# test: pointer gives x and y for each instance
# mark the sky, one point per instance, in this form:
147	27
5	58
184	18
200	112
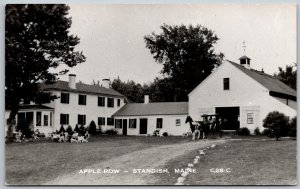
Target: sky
112	35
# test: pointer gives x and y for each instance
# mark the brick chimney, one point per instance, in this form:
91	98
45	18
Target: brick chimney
105	83
72	81
146	99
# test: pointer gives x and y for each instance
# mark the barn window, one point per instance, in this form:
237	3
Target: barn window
159	123
226	83
82	100
81	119
132	123
178	123
250	118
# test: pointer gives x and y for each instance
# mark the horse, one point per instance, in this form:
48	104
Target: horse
195	128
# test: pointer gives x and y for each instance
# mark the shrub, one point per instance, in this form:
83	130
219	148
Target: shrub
165	134
278	123
62	129
99	130
69	130
76	129
267	132
111	132
256	131
93	128
244	131
293	127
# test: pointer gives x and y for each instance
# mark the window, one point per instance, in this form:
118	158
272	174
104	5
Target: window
110	121
64	98
132	123
178	122
82	100
159	123
38	118
64	119
101	120
110	102
119	102
46	120
226	83
250	118
51	119
118	123
101	101
81	119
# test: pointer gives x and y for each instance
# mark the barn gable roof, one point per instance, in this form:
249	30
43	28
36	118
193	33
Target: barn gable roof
157	108
82	88
270	82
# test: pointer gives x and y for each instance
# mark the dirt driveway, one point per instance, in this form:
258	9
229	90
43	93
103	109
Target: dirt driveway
151	158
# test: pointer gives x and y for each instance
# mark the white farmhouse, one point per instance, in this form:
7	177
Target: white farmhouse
145	118
77	103
241	95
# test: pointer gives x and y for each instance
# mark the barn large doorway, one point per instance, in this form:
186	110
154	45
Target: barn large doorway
143	126
231	114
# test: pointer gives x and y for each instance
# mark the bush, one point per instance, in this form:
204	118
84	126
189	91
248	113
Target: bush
293	127
62	129
278	123
111	132
267	132
69	130
99	130
93	128
165	134
256	131
244	131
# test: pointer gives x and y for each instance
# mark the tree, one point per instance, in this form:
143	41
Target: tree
37	38
288	76
187	55
278	123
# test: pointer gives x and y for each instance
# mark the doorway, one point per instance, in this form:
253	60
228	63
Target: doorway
231	114
124	126
143	125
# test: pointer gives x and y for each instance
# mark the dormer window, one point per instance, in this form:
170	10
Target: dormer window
226	83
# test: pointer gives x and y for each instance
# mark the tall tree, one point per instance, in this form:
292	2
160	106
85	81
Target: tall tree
187	55
288	75
36	38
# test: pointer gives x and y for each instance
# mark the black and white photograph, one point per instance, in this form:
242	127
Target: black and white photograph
190	94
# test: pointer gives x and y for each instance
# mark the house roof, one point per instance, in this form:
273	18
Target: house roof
270	82
82	88
157	108
34	106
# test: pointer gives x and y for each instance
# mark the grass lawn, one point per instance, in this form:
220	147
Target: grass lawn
41	161
252	162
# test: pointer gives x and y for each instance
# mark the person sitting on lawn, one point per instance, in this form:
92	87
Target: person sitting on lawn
19	137
36	134
74	137
86	135
55	137
61	137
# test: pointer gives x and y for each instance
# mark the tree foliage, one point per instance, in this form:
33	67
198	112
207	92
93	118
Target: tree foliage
288	75
278	123
187	55
36	38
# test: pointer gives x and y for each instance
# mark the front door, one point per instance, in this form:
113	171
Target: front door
124	126
143	126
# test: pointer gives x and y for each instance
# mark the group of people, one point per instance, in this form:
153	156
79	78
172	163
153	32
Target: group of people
70	135
20	137
210	124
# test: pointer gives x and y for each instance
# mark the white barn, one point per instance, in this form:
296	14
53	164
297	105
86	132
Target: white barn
145	118
241	95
